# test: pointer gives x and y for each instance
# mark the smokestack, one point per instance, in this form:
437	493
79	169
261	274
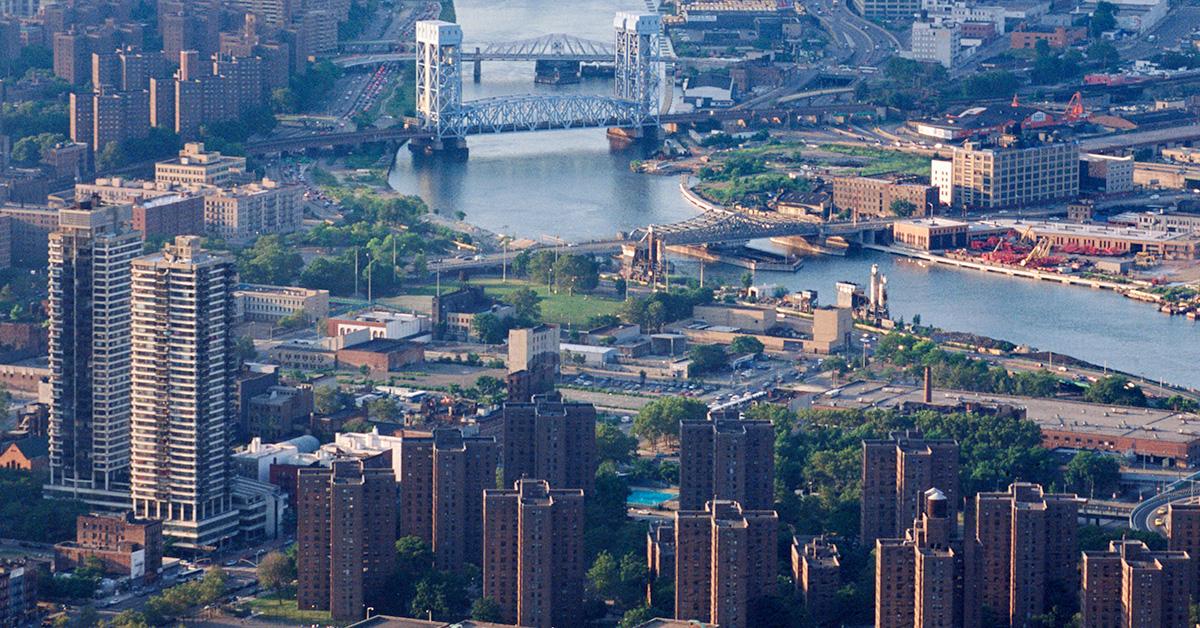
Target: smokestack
927	389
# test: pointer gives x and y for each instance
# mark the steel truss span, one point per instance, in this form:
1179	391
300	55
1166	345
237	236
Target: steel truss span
716	226
547	47
533	113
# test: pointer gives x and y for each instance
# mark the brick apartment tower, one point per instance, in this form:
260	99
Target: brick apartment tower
817	572
442	479
89	297
533	564
726	458
917	576
725	557
346	527
1130	586
1183	535
660	558
533	361
896	472
550	440
182	373
1019	549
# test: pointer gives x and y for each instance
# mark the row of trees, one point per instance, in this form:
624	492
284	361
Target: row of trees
574	273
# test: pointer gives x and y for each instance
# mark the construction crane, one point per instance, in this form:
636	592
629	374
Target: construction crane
1041	246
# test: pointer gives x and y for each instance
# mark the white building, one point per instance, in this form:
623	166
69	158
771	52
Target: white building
941	176
592	356
89	348
937	41
255	460
183	367
381	324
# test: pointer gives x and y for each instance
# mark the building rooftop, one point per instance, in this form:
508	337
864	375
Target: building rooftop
1091	230
382	345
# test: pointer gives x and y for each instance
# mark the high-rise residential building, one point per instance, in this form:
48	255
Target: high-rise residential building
1130	586
660	560
533	361
817	574
550	440
442	479
896	472
937	40
917	576
19	8
246	211
72	57
1183	535
886	8
196	166
1013	171
867	197
346	530
724	559
89	348
1019	547
183	371
533	564
728	458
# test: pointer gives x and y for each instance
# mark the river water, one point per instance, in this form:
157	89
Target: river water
576	185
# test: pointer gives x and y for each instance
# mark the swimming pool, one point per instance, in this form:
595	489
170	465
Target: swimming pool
649	498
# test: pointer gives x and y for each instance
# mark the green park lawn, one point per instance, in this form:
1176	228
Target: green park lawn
284	611
557	307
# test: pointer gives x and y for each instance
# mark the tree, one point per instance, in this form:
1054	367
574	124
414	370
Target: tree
276	571
742	345
269	261
28	151
490	328
747	279
383	409
1105	54
636	617
706	359
328	400
577	273
902	208
604	576
111	157
660	418
613	444
486	609
1115	390
527	305
1090	472
1104	19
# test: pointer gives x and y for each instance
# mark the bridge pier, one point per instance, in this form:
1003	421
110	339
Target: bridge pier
453	147
478	69
634	133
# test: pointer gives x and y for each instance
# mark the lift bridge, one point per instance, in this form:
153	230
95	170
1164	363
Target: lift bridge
443	114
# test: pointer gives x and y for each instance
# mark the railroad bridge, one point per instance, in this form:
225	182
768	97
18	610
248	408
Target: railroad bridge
635	102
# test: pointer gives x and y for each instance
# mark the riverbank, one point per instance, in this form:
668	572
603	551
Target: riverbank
1136	290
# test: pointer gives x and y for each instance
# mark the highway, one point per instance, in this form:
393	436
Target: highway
856	41
1143	515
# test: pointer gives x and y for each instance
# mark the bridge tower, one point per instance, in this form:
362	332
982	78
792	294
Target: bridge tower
439	79
636	75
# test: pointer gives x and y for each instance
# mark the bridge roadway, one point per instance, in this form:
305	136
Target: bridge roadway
400	134
552	47
714	227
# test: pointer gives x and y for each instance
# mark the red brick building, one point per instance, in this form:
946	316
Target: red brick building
381	355
1018	546
125	546
27	454
533	563
550	440
896	472
1129	585
1058	38
442	479
726	458
725	557
346	531
1183	535
170	215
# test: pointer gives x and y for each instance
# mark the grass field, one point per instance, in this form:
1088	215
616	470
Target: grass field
556	308
284	611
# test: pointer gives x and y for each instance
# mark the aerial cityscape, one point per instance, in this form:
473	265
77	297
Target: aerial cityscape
601	313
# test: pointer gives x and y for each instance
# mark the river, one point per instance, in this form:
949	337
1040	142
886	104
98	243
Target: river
576	185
